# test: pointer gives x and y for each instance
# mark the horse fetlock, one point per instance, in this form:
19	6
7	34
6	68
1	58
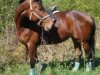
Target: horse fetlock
90	65
32	64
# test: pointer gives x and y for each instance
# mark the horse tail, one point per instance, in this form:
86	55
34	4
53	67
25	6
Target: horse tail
23	6
92	39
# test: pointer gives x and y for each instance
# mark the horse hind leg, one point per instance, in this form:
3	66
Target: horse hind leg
77	46
88	55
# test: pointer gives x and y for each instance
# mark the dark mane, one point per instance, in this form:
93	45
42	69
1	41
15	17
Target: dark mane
20	1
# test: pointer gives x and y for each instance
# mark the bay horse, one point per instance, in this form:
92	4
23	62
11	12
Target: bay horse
34	25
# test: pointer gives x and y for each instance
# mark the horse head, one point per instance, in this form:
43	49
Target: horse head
38	14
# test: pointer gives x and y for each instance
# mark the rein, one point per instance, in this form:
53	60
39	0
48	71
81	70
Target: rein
43	41
32	12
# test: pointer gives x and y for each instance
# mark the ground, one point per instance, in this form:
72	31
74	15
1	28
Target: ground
58	69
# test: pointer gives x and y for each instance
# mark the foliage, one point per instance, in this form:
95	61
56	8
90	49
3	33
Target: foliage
7	29
7	8
89	6
7	61
55	69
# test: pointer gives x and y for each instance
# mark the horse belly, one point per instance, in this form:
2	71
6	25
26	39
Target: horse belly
59	36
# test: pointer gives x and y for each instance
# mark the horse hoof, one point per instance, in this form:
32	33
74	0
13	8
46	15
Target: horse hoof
32	71
76	67
88	69
89	66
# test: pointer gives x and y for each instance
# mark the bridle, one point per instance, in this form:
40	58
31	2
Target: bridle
40	18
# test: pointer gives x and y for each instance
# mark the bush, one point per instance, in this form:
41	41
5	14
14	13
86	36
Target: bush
88	6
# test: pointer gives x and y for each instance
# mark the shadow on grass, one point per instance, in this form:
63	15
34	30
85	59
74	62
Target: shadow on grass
97	62
60	65
97	58
64	67
68	64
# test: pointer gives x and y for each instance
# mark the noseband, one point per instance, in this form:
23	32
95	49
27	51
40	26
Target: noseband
40	18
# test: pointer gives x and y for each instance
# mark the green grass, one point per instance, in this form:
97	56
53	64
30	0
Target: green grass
20	69
54	69
24	70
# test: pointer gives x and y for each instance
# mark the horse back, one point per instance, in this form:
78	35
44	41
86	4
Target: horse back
78	24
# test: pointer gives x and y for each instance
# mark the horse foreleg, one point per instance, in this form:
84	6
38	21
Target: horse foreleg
32	56
78	54
88	53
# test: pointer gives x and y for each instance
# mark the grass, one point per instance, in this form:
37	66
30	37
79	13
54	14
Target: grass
54	69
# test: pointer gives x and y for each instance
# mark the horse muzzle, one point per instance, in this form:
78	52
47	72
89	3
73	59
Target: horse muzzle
47	28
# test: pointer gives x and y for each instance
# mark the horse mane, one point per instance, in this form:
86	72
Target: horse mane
20	1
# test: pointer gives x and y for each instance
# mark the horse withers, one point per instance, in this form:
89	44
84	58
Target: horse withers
31	18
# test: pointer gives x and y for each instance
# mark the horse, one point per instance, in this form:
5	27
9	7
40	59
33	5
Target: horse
34	26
